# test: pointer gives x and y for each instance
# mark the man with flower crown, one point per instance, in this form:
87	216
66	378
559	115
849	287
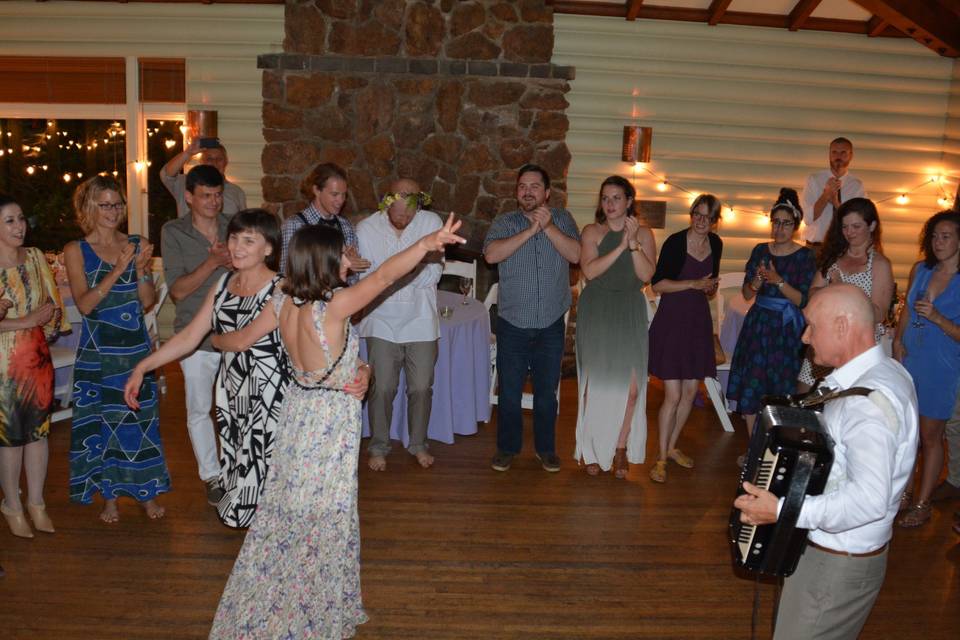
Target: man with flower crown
401	326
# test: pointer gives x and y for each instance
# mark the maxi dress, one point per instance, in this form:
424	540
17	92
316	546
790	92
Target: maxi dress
611	347
26	373
298	572
249	394
114	450
933	357
768	354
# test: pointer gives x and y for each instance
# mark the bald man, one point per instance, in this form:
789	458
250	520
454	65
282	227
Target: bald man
840	573
401	326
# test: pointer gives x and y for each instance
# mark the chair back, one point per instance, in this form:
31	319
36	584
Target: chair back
462	269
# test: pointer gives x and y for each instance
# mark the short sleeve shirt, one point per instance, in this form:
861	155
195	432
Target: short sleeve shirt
534	288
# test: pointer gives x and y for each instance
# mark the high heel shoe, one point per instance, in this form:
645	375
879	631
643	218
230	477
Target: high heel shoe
17	523
620	465
41	521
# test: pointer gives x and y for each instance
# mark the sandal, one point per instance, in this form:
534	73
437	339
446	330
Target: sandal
658	473
905	500
680	458
593	469
620	464
916	515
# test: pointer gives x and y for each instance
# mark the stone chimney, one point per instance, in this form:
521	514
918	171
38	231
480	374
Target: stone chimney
457	95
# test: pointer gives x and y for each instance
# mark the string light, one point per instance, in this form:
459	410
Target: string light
170	144
138	166
30	170
943	201
902	199
67	177
662	186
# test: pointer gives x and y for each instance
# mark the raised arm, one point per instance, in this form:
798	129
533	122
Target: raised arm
352	299
175	164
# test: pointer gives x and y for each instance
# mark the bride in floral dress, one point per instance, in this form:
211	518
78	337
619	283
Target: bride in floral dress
298	573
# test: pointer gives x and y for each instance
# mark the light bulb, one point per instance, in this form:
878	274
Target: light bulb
662	186
138	166
30	171
902	199
169	144
67	177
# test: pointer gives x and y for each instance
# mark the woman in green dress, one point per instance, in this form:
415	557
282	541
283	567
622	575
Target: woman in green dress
617	257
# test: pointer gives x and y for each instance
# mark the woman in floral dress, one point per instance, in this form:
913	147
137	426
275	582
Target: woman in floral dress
33	315
298	573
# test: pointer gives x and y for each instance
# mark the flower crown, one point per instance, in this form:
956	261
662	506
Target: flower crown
418	200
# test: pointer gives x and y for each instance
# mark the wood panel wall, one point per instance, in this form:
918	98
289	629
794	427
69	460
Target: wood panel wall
220	44
742	111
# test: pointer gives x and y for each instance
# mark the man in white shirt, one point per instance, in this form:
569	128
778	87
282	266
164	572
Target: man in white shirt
234	199
840	573
401	326
826	190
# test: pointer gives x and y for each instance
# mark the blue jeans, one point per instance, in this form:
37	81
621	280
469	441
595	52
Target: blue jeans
539	352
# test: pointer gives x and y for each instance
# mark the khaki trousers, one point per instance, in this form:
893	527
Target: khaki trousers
829	597
418	360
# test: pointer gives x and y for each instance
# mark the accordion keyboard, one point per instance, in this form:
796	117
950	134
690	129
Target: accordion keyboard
764	476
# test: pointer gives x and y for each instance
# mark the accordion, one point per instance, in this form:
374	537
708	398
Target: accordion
790	455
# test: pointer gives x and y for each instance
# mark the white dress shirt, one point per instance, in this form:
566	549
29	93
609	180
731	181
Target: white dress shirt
875	446
407	311
850	187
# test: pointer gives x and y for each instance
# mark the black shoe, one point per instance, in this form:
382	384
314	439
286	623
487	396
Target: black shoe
549	461
501	461
214	491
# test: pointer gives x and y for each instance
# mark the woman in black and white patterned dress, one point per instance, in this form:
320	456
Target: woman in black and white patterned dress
251	383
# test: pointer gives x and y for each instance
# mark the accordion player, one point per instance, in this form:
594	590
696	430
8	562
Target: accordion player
790	455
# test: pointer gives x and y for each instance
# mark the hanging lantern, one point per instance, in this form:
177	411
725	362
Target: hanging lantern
636	144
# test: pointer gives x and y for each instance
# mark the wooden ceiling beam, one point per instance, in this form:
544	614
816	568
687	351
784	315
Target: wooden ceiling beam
876	25
930	23
633	8
801	11
716	10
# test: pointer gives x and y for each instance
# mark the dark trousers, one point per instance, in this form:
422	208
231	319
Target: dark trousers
539	352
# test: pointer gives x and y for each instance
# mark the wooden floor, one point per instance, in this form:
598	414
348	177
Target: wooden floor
458	551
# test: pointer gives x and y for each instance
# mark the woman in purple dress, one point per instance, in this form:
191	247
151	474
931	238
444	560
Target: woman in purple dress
681	336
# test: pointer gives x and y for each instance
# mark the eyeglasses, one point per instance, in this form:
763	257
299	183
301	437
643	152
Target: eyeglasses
784	224
107	206
700	217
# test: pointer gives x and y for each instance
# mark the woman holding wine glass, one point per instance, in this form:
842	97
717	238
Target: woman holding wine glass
927	342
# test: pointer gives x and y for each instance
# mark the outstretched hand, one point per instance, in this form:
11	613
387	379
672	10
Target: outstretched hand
444	236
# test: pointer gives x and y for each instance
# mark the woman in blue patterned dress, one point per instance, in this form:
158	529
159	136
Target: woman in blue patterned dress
298	573
114	451
769	351
928	344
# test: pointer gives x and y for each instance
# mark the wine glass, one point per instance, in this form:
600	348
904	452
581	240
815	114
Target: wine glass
466	285
917	318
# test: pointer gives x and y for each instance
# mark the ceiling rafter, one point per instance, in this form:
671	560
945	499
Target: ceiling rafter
801	11
716	10
633	9
930	23
876	25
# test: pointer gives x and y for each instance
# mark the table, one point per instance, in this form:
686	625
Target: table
461	384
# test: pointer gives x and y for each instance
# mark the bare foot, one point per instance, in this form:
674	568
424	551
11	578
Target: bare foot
110	513
377	463
154	510
425	459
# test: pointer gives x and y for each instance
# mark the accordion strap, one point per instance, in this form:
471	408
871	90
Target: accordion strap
815	399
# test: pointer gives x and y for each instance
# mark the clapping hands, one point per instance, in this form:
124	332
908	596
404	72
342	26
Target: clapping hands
142	261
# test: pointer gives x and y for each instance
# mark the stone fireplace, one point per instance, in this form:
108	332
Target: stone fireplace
457	95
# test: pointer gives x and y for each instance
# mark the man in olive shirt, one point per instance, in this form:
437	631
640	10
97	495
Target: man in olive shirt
194	257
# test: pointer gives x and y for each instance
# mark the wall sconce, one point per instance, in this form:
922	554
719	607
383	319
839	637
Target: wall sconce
636	144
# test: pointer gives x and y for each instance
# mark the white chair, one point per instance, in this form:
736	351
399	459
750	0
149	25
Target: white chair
714	390
151	322
526	399
65	357
463	270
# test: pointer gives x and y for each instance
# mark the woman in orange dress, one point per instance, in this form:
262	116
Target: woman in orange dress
34	316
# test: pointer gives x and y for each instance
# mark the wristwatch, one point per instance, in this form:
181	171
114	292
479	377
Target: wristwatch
779	285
